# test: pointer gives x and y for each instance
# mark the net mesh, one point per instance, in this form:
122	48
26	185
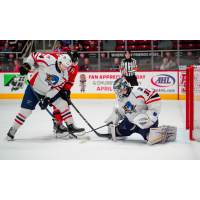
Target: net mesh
196	125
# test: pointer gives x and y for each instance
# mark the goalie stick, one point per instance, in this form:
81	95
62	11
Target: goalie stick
109	136
77	137
100	127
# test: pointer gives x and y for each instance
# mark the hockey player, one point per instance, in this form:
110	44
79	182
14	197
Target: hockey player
138	108
65	92
50	72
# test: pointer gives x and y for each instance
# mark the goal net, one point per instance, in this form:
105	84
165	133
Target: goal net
193	101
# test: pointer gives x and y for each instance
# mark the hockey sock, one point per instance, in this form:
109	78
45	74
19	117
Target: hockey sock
57	115
21	117
64	109
67	116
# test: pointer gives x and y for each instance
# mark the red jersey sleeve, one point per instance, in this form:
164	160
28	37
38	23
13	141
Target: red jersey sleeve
72	71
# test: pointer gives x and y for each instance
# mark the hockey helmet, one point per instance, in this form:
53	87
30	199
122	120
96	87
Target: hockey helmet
74	56
119	86
65	60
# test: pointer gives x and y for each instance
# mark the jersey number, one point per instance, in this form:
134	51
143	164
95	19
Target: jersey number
147	92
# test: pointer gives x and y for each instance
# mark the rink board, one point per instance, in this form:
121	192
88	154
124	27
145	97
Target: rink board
98	85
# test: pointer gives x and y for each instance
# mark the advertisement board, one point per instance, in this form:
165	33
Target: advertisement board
169	84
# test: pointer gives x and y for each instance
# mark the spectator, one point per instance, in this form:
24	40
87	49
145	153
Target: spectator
6	48
19	48
65	42
116	64
172	65
85	66
81	47
16	65
1	66
92	47
164	65
59	48
10	65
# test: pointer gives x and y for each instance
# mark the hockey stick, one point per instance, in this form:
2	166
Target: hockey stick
100	127
77	137
109	136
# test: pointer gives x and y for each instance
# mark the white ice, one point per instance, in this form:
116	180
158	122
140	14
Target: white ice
36	140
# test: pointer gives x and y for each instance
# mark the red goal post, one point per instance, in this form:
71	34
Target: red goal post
193	101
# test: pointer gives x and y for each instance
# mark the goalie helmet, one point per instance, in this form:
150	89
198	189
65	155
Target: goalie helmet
119	86
73	55
65	60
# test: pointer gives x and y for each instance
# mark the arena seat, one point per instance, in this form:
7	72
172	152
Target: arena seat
75	47
175	41
120	42
120	48
140	42
87	47
141	47
87	42
187	41
1	48
180	46
188	46
131	41
155	47
3	42
66	48
11	47
197	46
131	47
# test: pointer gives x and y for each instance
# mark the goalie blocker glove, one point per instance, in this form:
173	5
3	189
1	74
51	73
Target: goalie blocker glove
24	69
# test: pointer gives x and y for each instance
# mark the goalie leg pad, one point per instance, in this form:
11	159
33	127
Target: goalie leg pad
111	130
171	133
157	135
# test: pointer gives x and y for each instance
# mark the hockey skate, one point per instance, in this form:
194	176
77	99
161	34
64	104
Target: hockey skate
55	126
62	131
75	130
11	134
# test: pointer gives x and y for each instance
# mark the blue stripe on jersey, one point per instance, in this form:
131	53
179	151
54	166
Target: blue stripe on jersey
51	64
34	53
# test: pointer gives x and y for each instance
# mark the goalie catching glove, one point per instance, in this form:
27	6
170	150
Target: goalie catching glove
45	102
24	69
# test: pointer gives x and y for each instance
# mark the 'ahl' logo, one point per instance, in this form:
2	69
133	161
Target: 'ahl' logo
163	80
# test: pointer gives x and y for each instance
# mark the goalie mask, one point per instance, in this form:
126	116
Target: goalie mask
119	86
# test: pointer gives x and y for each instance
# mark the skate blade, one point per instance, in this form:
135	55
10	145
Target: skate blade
7	138
62	135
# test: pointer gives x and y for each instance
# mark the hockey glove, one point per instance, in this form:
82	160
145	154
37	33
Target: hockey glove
65	94
45	102
24	69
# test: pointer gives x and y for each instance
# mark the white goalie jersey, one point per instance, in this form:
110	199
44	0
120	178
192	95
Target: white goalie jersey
141	107
46	75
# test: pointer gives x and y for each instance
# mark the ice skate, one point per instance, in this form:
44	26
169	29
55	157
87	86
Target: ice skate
55	126
61	131
11	134
77	131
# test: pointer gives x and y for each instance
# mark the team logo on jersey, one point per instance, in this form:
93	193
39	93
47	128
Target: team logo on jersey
163	80
51	79
129	108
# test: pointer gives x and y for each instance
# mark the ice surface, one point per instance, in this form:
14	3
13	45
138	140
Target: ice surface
36	140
